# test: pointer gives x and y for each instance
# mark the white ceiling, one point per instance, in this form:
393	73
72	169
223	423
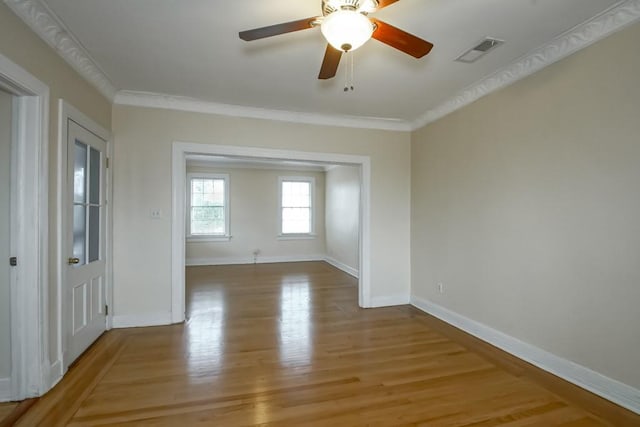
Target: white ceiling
191	48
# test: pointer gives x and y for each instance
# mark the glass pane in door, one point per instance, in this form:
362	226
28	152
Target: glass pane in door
80	173
94	233
80	233
94	176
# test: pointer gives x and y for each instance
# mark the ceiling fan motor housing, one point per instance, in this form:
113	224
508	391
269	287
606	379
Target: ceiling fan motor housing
330	6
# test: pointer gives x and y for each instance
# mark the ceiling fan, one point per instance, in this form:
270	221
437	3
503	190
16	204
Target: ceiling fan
346	25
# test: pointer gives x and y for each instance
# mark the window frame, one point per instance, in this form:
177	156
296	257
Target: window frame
312	196
208	237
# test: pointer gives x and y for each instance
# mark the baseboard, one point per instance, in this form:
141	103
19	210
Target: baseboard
193	262
388	301
342	266
608	388
141	320
55	374
5	390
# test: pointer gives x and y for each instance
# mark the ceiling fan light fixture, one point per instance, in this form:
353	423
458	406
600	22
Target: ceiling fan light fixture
346	30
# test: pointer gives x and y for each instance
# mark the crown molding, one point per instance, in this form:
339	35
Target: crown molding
170	102
610	21
51	29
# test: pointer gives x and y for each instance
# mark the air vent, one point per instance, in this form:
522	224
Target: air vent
479	50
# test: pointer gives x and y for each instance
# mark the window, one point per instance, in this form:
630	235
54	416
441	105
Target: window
208	200
296	205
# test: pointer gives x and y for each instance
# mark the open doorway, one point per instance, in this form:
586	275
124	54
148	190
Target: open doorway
182	151
24	332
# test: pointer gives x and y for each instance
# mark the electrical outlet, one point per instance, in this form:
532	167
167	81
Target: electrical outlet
441	287
156	214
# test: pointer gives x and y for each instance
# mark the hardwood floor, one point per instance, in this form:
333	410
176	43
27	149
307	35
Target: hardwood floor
6	409
287	345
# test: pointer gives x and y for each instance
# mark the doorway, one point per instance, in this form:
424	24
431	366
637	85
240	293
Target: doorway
6	225
24	228
179	175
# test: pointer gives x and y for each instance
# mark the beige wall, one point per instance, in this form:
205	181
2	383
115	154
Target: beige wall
25	48
253	219
5	211
343	215
142	165
526	205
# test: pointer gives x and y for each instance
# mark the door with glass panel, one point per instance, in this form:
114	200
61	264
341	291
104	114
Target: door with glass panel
85	241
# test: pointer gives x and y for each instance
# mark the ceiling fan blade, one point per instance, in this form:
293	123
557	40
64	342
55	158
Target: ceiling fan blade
385	3
274	30
401	40
330	63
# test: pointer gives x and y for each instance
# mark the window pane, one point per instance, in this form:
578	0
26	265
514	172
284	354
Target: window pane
296	220
197	199
79	232
207	220
94	176
197	186
80	172
296	194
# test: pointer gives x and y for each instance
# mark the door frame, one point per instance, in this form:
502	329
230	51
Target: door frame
178	208
30	367
66	112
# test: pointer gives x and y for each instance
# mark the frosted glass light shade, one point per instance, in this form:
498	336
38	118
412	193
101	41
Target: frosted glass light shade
346	30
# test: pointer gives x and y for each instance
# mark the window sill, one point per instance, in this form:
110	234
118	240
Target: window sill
296	237
205	239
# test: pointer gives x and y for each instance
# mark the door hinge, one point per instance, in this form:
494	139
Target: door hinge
13	261
106	310
106	161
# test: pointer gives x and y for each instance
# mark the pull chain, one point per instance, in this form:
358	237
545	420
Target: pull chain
348	72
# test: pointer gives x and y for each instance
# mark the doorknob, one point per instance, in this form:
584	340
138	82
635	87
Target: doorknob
74	261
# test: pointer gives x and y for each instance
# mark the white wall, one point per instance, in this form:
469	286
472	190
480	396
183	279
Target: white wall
142	181
526	205
5	210
253	220
343	215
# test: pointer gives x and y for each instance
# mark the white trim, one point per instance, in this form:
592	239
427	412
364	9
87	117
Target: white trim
195	262
208	237
5	390
55	373
341	266
141	320
52	30
302	236
389	301
597	28
608	388
67	112
178	174
181	103
30	236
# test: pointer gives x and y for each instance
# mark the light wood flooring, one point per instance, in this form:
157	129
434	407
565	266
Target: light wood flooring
287	345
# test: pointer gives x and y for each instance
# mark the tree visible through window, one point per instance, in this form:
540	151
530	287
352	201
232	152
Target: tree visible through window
208	206
296	206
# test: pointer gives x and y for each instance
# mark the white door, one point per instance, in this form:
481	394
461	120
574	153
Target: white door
84	291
